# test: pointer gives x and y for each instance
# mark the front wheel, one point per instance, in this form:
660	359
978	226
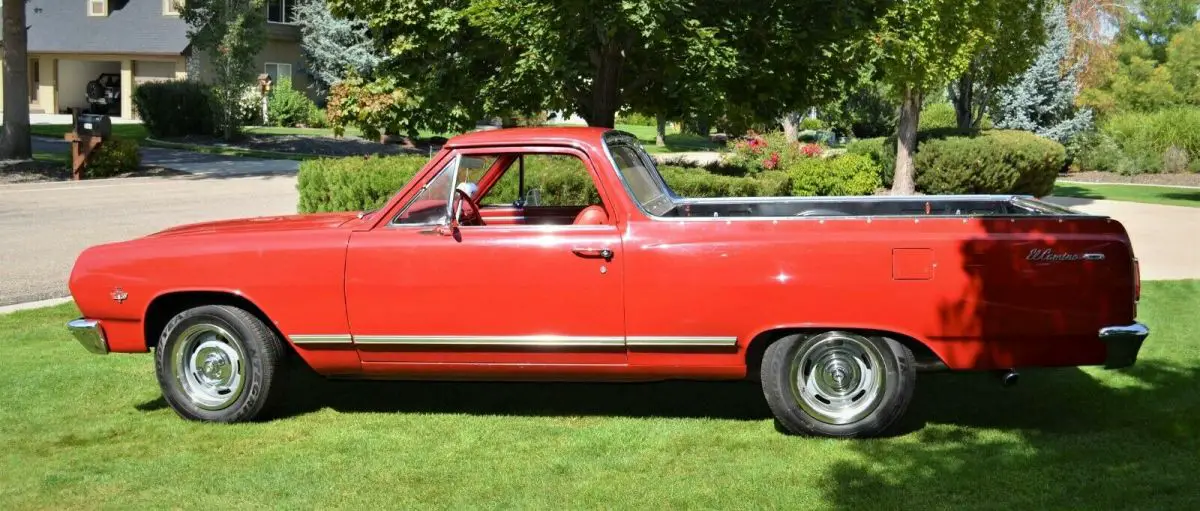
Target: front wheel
837	384
219	363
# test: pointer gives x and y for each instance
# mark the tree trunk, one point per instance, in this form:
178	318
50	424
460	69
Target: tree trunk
703	126
660	132
791	125
906	146
606	88
962	93
14	141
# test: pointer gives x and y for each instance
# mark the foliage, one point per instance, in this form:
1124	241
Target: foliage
1096	151
1041	99
635	118
692	182
287	106
882	151
848	174
998	161
812	123
375	107
1157	21
1183	63
771	151
175	108
1144	139
1017	33
115	156
866	111
231	33
481	58
333	47
937	115
353	184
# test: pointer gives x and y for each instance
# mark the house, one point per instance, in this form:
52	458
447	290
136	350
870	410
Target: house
72	42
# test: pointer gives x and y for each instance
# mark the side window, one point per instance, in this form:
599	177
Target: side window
550	180
432	204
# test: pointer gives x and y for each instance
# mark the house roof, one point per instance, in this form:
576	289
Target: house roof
132	26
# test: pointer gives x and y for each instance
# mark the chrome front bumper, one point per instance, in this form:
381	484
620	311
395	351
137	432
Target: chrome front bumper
90	334
1123	344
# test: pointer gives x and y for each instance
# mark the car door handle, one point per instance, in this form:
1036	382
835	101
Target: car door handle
603	253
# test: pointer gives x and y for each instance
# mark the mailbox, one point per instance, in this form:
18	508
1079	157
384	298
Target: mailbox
93	125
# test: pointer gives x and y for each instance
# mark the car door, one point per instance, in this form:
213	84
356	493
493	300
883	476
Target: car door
511	294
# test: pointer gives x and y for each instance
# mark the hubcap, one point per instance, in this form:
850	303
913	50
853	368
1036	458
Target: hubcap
838	377
208	363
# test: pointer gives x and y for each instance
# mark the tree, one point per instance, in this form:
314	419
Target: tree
1042	99
1157	21
333	46
1183	61
14	142
464	59
1018	34
920	46
231	33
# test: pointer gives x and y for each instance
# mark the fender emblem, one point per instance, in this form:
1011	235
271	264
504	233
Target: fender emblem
1046	255
119	295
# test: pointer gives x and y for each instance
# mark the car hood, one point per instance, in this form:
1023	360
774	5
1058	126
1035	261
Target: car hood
265	223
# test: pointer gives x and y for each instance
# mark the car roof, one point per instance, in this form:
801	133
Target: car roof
553	135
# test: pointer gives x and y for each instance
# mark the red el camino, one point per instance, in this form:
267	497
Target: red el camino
833	303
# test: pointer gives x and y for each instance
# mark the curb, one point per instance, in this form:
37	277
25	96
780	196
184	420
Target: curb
9	309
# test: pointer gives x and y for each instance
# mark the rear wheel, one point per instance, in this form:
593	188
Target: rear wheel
837	384
219	363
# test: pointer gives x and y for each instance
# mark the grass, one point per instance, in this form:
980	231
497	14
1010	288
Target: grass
130	131
82	431
1148	194
676	141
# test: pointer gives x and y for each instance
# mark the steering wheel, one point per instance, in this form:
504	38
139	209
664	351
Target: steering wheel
474	217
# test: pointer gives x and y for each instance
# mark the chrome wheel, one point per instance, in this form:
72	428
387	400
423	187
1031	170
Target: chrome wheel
209	363
838	377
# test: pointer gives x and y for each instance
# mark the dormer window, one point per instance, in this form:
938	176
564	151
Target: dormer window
171	7
97	7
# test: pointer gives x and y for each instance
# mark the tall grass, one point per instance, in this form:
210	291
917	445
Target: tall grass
1145	138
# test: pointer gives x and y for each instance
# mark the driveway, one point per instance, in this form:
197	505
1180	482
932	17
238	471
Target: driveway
1166	239
44	226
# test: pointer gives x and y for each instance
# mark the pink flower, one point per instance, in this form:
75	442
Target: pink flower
811	150
771	162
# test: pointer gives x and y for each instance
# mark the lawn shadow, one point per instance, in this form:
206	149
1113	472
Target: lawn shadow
1067	441
736	400
1190	196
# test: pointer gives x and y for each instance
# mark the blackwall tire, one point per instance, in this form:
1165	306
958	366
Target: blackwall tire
218	363
838	384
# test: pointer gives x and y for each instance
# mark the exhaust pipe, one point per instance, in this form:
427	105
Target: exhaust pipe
1009	378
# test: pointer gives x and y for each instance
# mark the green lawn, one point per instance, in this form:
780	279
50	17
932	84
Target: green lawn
85	431
1150	194
676	141
130	131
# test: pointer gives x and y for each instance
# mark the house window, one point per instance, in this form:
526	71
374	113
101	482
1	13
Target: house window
171	7
97	7
278	71
281	11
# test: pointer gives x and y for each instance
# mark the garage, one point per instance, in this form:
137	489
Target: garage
73	77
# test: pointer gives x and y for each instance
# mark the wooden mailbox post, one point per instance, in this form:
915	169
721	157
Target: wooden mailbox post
88	132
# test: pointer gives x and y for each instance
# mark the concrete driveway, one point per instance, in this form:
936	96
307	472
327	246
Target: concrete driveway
44	226
1166	239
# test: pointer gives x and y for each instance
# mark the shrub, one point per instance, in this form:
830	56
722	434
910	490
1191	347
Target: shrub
287	106
1145	138
352	184
115	156
772	151
849	174
938	116
881	151
998	161
694	182
175	108
812	123
317	119
637	119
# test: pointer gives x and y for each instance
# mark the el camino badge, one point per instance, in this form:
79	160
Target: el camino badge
1047	255
119	295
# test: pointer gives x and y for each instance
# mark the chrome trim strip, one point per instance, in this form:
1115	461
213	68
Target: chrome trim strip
641	341
491	340
322	339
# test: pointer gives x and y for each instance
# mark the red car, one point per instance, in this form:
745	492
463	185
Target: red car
473	271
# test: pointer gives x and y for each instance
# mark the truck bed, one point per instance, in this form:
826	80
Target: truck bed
943	205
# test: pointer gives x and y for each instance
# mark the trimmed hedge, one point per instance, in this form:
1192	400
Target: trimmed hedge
115	156
353	184
695	182
849	174
175	108
998	161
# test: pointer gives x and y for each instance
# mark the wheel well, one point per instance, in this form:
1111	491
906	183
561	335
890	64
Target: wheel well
165	307
758	345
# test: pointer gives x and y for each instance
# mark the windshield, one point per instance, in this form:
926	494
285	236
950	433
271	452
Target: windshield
639	175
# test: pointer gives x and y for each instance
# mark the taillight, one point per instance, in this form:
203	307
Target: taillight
1137	281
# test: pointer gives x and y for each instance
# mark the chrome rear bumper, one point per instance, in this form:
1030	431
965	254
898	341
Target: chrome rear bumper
1123	344
90	334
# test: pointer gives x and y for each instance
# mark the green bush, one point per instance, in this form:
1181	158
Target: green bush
289	107
849	174
938	116
699	183
757	153
559	180
1000	161
812	124
353	184
115	156
317	119
175	108
637	119
881	151
1096	151
1145	138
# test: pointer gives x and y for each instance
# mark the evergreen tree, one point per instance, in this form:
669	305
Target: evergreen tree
1042	98
333	46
